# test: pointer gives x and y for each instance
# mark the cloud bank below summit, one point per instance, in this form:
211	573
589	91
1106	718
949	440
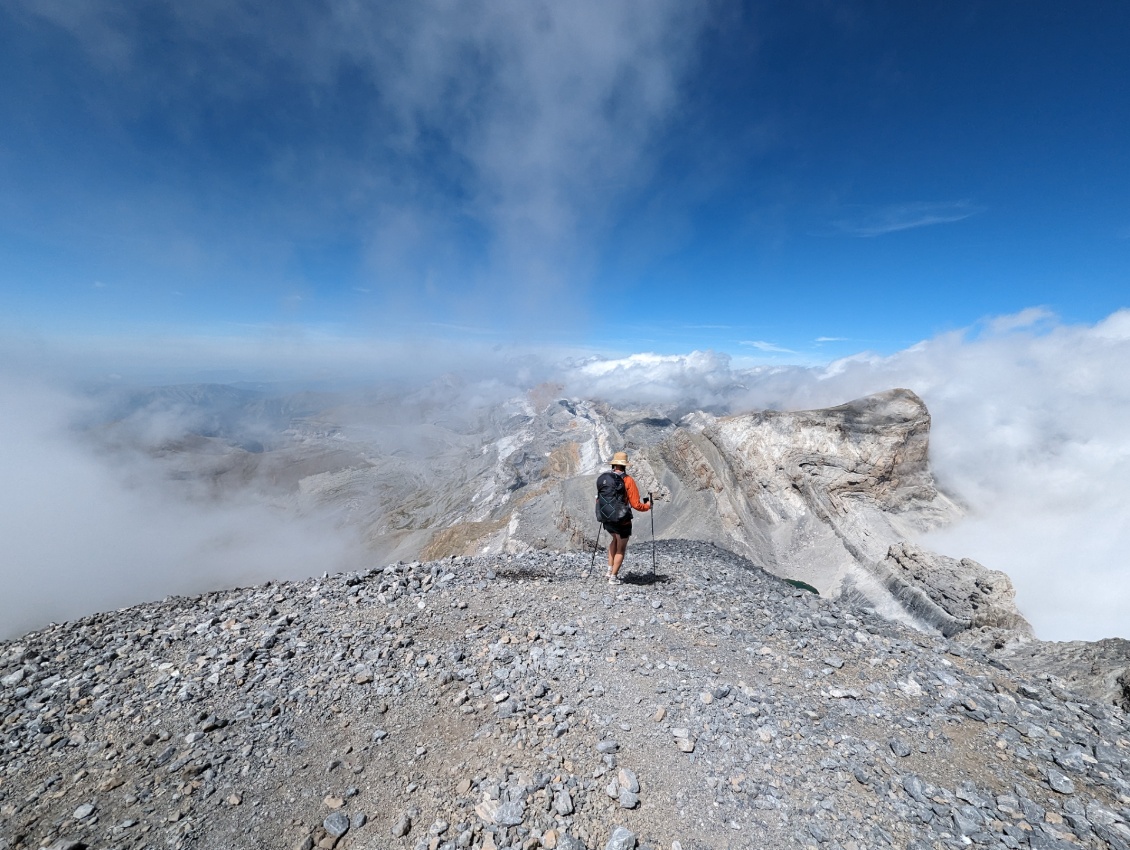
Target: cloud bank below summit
86	532
1029	433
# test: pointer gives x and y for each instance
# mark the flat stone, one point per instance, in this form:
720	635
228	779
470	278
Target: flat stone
337	824
1059	782
915	787
487	811
899	747
510	814
12	679
967	820
502	814
1072	760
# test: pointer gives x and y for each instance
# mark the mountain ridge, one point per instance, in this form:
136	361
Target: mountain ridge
837	498
518	700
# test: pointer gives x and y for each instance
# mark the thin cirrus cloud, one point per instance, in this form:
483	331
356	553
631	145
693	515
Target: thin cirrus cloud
877	221
767	347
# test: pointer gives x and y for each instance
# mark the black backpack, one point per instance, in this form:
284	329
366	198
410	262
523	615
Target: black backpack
611	498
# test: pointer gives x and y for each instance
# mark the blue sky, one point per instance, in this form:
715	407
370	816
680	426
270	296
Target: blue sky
791	181
636	200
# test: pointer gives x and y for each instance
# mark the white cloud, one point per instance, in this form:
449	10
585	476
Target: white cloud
701	378
1024	320
1029	430
82	533
521	123
877	221
761	345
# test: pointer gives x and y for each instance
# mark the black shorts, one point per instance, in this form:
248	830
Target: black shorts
624	528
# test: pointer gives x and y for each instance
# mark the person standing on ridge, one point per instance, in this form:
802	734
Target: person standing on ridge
616	496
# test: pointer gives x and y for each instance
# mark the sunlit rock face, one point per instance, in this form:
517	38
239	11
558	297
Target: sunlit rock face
834	498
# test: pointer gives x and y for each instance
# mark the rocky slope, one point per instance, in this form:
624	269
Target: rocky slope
513	700
835	498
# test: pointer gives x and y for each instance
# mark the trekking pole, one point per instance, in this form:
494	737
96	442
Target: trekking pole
592	566
651	499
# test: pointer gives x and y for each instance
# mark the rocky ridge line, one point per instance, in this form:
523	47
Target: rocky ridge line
513	701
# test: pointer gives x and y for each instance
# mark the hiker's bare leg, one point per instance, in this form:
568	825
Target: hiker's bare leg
616	550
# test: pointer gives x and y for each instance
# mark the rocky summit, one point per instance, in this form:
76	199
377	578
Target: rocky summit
521	701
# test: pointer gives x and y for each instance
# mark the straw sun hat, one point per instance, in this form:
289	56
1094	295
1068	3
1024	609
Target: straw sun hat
619	459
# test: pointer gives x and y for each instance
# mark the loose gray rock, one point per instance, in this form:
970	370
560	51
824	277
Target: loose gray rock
563	803
967	820
899	747
1059	782
780	756
402	826
628	779
915	787
622	839
337	824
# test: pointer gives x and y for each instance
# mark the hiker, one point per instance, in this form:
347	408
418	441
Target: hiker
616	496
